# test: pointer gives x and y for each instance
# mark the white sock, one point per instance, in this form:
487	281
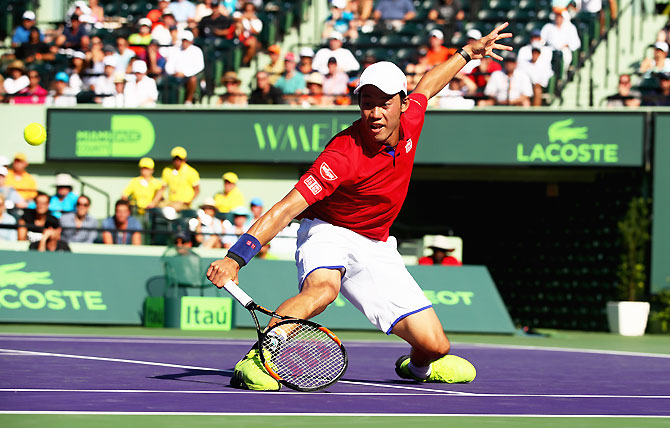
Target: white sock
419	371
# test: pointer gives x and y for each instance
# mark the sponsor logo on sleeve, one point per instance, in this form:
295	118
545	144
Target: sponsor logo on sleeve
408	146
327	173
313	185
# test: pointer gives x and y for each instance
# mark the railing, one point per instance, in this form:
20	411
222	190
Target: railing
85	184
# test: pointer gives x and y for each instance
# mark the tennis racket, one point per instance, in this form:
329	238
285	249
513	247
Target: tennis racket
300	354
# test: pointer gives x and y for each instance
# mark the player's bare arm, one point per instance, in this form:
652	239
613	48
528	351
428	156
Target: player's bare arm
438	77
266	228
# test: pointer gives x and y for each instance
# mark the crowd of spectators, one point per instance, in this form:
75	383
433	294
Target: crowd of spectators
50	221
156	58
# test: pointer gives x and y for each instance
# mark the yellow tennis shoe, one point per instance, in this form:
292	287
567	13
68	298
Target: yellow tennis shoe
250	374
448	369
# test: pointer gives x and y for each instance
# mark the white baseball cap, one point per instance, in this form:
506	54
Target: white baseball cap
307	52
384	75
145	21
336	35
437	33
4	160
3	170
109	61
340	4
139	66
474	34
186	35
29	15
662	46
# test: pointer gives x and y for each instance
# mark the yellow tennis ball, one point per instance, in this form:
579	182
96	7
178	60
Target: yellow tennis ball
35	134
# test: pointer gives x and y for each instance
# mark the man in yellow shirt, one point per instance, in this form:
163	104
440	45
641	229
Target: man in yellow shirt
231	197
142	190
183	182
18	178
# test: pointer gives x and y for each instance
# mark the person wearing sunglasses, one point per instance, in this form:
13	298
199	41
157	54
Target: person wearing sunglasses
76	224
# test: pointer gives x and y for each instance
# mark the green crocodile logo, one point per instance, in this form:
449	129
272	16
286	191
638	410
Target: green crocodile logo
561	131
12	274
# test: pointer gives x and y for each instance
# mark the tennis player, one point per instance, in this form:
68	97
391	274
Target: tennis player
347	201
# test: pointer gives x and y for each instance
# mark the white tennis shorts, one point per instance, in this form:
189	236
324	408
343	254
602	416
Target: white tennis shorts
375	279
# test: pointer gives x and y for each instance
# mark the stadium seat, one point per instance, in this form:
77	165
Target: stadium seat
183	269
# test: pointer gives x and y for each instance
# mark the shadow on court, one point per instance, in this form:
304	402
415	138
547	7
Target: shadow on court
189	374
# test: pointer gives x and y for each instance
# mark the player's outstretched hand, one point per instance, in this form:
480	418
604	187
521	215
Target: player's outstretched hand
487	44
222	271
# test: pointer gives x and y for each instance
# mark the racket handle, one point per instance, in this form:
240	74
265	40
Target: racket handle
239	294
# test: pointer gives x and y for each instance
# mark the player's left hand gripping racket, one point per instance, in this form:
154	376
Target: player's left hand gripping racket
300	354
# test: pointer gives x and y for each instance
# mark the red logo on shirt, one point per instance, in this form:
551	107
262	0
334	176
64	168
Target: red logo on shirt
408	146
313	185
327	173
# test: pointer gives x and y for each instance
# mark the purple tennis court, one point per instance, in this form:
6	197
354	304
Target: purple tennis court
116	374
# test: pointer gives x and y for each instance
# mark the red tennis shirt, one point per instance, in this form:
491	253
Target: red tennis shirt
360	184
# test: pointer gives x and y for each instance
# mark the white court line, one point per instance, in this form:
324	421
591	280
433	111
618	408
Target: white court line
430	415
430	393
349	343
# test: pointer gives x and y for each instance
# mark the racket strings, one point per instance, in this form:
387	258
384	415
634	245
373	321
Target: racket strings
304	355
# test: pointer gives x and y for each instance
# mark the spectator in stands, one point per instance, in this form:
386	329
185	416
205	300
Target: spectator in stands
437	52
526	52
61	95
6	219
246	28
539	72
34	220
123	55
142	92
367	61
121	228
472	36
231	197
16	79
237	228
345	59
292	81
155	15
140	40
208	8
34	49
482	73
76	35
395	12
22	32
73	223
142	190
234	94
511	86
441	248
162	29
276	66
65	200
265	93
660	97
50	241
104	85
182	181
118	97
183	241
336	81
183	64
154	59
97	12
625	96
450	14
561	35
76	71
12	197
453	95
314	96
660	63
183	11
216	23
415	71
209	231
20	179
84	12
340	20
33	93
256	207
306	57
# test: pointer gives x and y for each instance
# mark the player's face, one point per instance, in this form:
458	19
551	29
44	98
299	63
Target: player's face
380	114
